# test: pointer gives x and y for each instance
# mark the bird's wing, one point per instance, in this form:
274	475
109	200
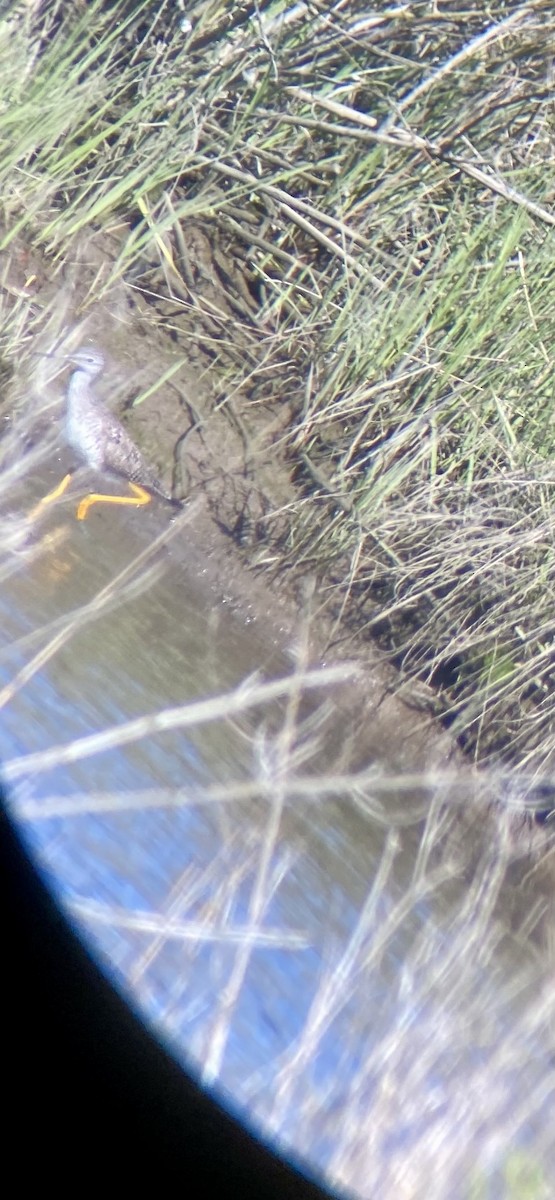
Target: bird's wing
123	457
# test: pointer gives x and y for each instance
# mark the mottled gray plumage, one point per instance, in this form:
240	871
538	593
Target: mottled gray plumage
95	433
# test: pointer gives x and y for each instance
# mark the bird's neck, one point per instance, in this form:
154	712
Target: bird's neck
78	387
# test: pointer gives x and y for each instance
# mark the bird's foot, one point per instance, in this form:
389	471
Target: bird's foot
53	495
140	498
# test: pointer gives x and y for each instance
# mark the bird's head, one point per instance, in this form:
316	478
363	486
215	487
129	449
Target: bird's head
88	359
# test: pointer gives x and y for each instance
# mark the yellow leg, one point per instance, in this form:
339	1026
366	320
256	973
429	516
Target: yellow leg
58	491
141	497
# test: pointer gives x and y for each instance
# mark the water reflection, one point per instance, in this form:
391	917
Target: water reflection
285	936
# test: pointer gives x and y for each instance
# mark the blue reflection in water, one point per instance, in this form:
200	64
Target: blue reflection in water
163	893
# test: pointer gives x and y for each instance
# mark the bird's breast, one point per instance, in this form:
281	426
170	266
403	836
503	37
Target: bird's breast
83	434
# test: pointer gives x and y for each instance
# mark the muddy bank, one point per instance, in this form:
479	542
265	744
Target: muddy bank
169	376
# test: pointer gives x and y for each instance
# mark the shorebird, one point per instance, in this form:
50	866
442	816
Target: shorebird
101	441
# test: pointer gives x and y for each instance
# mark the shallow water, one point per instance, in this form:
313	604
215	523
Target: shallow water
281	940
